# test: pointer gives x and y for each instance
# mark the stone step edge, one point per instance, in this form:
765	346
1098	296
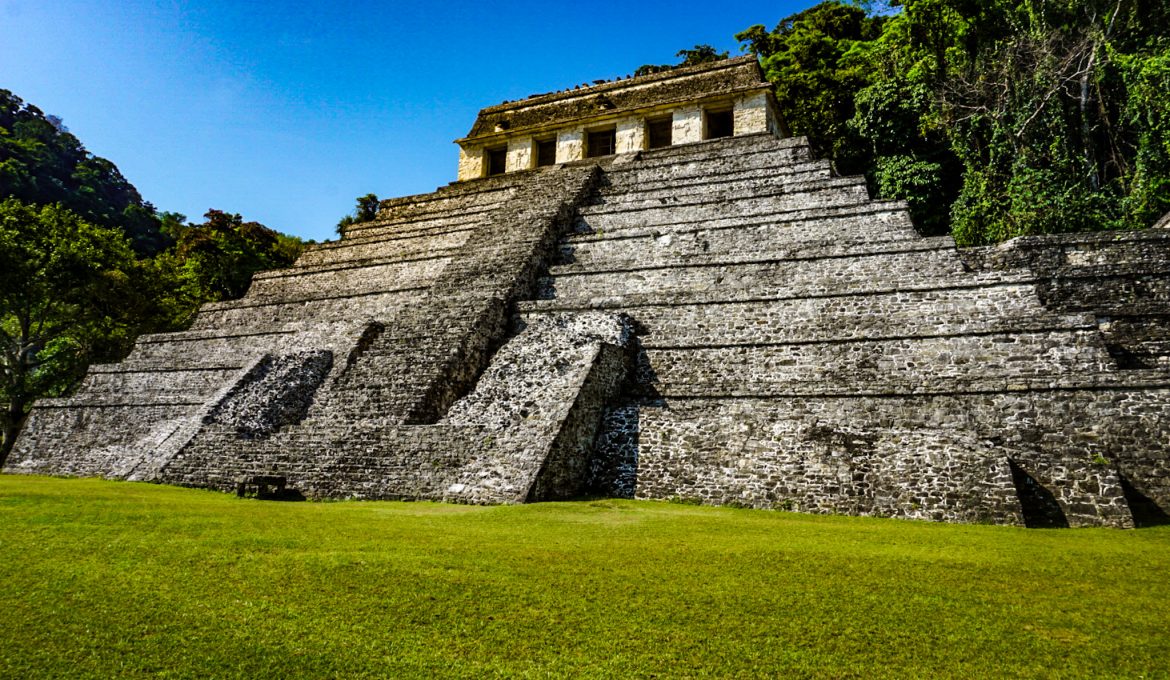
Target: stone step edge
350	265
129	367
82	402
936	244
621	185
875	206
1032	325
970	281
870	208
1133	380
686	185
1039	328
798	254
834	184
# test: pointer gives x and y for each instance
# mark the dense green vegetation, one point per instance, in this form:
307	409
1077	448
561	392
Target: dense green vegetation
86	265
1023	116
42	163
107	579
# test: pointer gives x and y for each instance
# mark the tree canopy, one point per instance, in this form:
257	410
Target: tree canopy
42	163
1022	116
66	292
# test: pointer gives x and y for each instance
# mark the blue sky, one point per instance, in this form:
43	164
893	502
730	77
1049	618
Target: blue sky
286	111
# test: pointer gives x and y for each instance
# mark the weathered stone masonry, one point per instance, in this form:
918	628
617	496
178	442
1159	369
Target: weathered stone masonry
718	319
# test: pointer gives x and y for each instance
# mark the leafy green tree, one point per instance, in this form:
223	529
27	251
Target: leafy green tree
366	211
806	57
64	291
1023	116
215	260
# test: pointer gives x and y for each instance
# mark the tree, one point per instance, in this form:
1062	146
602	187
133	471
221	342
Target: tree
64	291
806	58
366	211
215	260
1022	116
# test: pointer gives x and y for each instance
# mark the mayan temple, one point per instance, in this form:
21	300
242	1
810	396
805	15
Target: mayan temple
645	289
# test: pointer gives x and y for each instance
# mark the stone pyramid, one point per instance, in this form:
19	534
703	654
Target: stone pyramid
645	289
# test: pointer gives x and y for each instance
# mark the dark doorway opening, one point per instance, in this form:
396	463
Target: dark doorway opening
546	153
660	132
601	143
497	161
720	124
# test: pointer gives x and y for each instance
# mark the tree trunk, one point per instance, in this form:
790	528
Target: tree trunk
12	423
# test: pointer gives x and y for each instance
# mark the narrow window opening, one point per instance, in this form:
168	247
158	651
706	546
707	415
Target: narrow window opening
720	124
601	143
660	131
497	161
546	153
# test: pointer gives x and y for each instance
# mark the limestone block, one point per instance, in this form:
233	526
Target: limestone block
752	115
631	135
521	154
570	145
471	164
688	125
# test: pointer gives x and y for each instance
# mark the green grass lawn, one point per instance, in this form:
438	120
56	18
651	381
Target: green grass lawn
107	579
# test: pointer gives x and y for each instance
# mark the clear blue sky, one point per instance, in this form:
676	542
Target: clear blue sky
286	111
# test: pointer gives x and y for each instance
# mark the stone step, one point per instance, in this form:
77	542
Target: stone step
722	246
813	190
716	189
244	314
698	171
432	224
351	264
295	285
762	278
765	208
797	147
963	281
191	384
1110	382
455	199
385	247
1000	308
875	221
1030	355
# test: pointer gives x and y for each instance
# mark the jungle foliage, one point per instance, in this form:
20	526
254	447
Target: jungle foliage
1023	116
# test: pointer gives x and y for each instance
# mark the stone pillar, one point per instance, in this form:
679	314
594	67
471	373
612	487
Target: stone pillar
471	163
521	154
631	135
752	115
570	145
688	126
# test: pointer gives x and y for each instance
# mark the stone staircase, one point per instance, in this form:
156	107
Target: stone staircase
802	347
